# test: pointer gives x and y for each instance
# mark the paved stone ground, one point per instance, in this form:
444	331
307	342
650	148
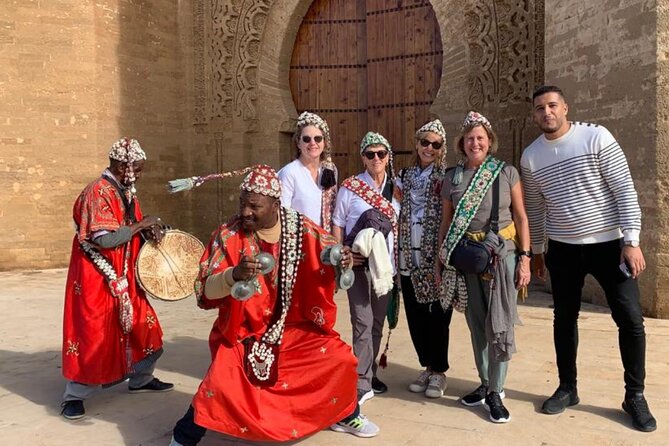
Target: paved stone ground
31	384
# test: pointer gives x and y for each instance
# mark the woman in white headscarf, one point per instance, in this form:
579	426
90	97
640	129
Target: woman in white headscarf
420	187
309	183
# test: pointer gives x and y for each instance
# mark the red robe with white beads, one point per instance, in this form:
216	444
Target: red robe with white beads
317	376
95	350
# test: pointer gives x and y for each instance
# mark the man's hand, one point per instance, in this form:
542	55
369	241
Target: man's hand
346	258
539	266
247	269
153	228
634	259
358	259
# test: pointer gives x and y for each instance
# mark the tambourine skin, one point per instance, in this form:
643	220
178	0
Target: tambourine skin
167	270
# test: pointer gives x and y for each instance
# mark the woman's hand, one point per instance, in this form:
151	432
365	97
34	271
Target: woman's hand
523	273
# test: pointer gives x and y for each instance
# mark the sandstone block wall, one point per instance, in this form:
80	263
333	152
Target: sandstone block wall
74	77
604	56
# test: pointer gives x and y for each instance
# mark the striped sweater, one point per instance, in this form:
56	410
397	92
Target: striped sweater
578	188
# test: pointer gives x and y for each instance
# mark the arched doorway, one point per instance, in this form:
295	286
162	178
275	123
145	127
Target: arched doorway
368	65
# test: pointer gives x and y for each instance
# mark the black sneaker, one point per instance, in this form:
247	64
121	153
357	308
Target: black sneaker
637	406
562	398
498	413
73	410
155	385
378	386
477	397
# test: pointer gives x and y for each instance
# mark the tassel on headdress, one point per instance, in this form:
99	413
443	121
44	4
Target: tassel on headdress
261	179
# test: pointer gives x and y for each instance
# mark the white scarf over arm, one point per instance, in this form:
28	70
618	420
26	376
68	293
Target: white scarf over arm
370	243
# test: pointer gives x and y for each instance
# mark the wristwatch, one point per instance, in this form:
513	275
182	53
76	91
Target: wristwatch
525	253
632	243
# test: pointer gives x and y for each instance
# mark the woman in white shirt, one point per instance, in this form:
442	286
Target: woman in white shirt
368	195
309	183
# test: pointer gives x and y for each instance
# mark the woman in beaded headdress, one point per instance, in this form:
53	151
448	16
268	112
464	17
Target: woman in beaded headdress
467	198
420	187
366	201
309	183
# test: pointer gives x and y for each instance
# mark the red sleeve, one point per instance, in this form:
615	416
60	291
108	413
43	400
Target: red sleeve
97	208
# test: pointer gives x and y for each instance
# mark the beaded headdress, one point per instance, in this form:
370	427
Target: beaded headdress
260	179
307	118
435	127
373	138
474	118
128	151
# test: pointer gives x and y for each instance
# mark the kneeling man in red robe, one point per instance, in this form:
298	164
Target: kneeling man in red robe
279	370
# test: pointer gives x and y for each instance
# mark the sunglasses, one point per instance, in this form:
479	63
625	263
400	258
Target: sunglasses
381	154
307	139
435	145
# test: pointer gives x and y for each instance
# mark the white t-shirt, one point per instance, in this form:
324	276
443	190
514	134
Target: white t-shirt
349	207
299	191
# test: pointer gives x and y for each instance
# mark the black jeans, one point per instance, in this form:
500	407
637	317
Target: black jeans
188	433
428	327
568	265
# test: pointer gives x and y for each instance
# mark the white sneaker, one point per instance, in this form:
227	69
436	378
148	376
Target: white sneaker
435	386
359	426
364	396
420	384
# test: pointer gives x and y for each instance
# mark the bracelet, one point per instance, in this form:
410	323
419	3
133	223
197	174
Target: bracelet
525	253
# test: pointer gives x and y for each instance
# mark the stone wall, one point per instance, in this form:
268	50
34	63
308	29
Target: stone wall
203	84
74	77
604	56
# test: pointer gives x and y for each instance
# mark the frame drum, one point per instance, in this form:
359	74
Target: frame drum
167	270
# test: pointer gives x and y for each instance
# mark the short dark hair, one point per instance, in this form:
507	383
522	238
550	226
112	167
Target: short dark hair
547	89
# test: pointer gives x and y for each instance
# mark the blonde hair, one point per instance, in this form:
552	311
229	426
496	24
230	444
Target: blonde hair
441	158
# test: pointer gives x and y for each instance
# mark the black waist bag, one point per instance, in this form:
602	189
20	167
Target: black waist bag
470	256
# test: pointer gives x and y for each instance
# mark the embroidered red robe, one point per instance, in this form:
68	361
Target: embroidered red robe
95	350
317	377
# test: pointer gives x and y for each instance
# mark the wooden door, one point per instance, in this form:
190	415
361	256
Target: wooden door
368	65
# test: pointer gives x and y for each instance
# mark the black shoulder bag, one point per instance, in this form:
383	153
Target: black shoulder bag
473	257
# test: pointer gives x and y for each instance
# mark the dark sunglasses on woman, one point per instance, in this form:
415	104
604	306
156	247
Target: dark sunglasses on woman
381	154
435	145
307	139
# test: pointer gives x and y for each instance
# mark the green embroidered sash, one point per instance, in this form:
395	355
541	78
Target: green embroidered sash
469	204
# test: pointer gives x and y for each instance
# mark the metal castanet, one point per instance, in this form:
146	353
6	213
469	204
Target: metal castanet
167	270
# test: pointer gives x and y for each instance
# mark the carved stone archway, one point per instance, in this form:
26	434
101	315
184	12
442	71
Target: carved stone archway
243	109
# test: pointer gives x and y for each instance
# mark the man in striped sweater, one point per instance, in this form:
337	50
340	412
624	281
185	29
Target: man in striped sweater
580	195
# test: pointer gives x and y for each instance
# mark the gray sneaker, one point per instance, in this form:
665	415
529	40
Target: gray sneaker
436	385
173	442
420	384
359	426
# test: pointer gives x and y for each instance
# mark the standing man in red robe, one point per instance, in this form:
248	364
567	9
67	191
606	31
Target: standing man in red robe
279	370
110	331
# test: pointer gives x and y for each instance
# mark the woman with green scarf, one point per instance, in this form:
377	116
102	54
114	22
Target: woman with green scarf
488	300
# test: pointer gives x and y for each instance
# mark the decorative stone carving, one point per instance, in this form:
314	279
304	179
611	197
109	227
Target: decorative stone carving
227	35
502	39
